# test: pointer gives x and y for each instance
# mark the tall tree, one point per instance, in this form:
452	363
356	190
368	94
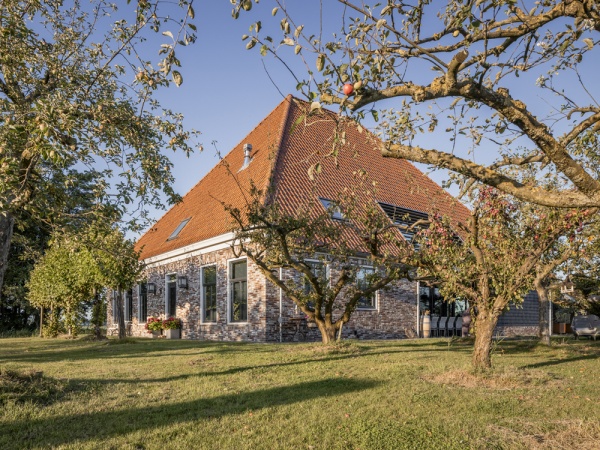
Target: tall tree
477	51
77	91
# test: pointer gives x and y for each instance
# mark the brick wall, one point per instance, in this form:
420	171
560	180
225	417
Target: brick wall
393	317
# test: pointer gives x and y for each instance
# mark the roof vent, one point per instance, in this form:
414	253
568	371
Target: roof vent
247	157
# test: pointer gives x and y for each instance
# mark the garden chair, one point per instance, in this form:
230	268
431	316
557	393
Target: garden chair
434	325
442	326
451	326
586	326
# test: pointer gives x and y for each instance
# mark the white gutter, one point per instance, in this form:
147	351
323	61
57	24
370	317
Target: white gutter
208	245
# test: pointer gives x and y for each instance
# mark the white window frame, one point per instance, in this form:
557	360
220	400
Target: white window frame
202	297
166	309
230	263
375	307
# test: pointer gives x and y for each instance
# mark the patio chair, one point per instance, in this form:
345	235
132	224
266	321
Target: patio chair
451	326
458	326
442	326
434	325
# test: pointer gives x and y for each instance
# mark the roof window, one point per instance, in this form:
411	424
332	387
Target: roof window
404	217
177	230
333	208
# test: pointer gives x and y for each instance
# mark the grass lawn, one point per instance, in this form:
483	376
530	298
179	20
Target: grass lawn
414	394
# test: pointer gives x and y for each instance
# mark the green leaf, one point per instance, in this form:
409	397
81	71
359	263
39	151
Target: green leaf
589	42
263	50
375	115
251	44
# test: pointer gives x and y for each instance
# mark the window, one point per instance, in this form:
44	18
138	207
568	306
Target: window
238	292
129	305
333	208
142	302
404	217
175	233
319	270
362	282
209	294
171	296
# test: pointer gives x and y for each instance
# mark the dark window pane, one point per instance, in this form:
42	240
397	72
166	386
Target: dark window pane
209	292
171	297
239	270
143	303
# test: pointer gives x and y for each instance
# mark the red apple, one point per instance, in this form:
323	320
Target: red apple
348	89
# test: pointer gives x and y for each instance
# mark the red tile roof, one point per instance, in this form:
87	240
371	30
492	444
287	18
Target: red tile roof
284	146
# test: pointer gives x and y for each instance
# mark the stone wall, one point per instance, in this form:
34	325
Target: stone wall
394	315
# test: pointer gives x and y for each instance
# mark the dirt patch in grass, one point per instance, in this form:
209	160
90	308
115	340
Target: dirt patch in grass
502	379
29	386
555	435
316	350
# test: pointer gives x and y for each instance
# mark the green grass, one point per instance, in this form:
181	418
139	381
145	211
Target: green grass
414	394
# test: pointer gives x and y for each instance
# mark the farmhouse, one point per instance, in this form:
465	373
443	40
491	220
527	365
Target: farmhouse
192	272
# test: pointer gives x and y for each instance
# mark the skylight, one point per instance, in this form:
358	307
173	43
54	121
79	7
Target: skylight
335	211
175	233
404	217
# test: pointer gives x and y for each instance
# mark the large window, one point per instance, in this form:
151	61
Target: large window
238	292
362	281
209	294
171	296
129	305
143	302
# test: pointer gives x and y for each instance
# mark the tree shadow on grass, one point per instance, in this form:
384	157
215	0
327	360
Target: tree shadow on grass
79	428
557	361
75	351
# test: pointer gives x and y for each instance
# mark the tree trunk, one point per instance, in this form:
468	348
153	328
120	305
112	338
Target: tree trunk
7	223
120	315
41	320
544	312
484	332
327	332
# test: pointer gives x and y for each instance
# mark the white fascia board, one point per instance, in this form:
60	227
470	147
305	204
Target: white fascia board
212	244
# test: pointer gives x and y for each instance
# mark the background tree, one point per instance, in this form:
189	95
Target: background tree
477	51
77	91
327	291
506	245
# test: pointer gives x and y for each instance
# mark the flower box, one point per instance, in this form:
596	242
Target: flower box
173	333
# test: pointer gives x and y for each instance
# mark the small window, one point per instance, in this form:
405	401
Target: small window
239	292
175	233
362	282
143	302
333	208
209	293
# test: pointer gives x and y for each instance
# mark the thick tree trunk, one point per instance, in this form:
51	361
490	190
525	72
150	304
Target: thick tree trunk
7	223
544	313
327	332
484	332
121	315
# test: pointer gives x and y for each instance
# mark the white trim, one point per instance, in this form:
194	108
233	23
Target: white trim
202	299
219	242
229	293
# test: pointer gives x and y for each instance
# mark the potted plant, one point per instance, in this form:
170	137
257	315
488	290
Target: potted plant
172	327
154	325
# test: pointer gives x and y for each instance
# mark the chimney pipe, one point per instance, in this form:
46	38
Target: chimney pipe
247	158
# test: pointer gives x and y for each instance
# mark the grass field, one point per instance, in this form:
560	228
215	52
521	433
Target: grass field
414	394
